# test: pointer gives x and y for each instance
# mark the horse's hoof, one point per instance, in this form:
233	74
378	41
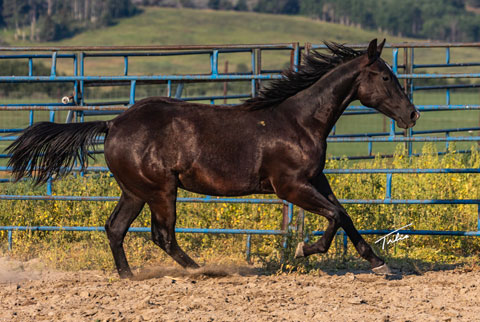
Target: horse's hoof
124	274
382	270
299	251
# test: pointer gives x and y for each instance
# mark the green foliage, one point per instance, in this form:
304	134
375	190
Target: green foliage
76	250
220	4
57	19
278	6
446	19
241	5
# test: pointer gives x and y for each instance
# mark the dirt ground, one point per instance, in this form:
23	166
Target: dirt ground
28	292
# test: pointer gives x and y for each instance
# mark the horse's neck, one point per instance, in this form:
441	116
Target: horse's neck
324	102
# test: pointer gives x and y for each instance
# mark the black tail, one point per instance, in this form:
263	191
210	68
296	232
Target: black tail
46	149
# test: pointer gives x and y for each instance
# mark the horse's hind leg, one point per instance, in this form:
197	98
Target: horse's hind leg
163	208
116	227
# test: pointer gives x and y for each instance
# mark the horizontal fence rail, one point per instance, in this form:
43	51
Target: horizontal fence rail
79	105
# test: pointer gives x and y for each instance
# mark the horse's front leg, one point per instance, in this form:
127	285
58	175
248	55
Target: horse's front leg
317	197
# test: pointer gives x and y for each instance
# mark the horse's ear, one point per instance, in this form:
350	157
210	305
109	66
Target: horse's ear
372	51
380	47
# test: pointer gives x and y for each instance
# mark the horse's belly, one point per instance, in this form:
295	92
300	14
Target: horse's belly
217	183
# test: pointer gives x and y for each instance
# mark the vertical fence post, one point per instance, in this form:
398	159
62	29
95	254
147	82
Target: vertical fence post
388	188
345	242
284	226
81	114
287	211
257	70
409	69
214	62
395	71
225	84
53	73
10	240
169	88
49	181
447	61
478	219
53	70
125	65
30	73
71	114
248	247
295	57
82	86
300	223
75	73
30	66
49	187
253	90
179	90
133	86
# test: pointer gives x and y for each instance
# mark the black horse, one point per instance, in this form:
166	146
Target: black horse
273	143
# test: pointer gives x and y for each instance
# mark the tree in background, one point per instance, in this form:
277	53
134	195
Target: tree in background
241	5
47	20
290	7
441	19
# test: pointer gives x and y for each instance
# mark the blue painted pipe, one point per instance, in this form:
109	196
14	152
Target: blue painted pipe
106	198
409	232
247	232
147	230
220	77
36	56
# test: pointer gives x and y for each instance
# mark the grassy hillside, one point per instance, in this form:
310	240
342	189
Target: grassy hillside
166	26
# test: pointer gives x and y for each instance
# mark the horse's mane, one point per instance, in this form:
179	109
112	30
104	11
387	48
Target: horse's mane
315	65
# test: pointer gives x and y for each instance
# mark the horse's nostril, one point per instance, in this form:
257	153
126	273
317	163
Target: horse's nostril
414	116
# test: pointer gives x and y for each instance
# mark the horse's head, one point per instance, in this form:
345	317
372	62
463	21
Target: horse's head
379	88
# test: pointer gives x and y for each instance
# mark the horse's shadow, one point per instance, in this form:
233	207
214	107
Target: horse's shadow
204	272
400	268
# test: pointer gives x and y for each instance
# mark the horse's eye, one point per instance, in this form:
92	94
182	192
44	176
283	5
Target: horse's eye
385	78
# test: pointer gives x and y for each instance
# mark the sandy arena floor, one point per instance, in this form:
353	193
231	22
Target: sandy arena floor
28	293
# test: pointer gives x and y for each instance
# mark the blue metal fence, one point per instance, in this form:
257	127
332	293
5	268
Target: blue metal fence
79	106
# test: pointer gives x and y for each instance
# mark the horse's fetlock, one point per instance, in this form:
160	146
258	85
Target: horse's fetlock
168	247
